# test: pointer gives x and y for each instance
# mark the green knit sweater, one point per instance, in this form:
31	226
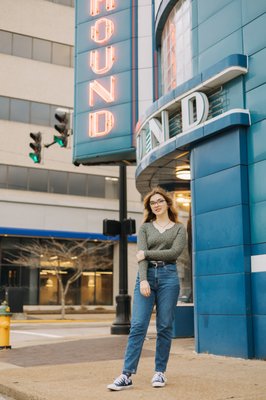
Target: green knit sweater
157	246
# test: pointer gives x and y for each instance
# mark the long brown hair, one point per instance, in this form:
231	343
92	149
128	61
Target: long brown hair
148	214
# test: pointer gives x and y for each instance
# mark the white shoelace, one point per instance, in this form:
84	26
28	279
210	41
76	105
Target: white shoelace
121	379
159	377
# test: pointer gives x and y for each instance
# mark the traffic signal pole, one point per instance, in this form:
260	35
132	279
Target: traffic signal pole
121	325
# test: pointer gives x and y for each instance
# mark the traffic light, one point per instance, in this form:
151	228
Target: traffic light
36	146
62	115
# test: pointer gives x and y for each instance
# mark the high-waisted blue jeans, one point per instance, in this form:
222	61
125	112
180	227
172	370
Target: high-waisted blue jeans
164	285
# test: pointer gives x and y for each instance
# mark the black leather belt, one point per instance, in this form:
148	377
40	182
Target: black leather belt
157	264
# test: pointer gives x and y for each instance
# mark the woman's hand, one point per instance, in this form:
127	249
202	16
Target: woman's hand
140	255
145	289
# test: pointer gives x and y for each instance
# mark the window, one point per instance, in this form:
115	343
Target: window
65	2
111	187
17	178
22	46
47	181
40	114
72	57
3	176
61	54
4	107
184	263
38	180
52	117
96	186
36	49
176	47
5	42
29	112
58	182
97	288
77	184
20	110
70	3
42	50
40	285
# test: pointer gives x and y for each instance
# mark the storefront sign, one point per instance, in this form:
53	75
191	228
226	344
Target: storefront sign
194	111
105	81
195	108
191	109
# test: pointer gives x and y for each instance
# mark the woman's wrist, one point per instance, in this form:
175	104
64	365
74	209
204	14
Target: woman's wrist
143	282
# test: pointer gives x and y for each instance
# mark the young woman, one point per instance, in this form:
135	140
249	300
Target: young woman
161	240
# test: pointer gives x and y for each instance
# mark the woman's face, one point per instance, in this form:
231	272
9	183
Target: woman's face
158	204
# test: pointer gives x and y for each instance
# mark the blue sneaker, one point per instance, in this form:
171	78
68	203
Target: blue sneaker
121	383
159	380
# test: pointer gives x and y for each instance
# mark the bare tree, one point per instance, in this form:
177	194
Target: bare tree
79	256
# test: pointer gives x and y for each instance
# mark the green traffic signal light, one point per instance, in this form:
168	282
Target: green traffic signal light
35	157
36	147
61	140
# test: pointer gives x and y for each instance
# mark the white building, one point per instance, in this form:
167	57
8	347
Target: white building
54	198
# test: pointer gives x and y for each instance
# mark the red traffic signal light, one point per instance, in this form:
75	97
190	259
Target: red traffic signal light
36	147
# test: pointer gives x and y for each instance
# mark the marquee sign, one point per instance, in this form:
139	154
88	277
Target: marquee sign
189	106
105	111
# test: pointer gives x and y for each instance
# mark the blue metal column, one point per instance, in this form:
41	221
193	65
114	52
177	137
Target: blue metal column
221	245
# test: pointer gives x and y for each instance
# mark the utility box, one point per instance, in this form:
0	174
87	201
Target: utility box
2	294
15	299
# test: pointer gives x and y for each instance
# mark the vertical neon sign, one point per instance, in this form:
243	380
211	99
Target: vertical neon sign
107	26
105	81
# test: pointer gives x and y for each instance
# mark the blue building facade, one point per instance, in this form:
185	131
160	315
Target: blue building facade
208	119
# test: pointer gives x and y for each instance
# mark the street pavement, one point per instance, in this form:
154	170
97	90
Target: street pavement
77	358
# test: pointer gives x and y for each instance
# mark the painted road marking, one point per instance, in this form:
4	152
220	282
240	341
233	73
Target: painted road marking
37	334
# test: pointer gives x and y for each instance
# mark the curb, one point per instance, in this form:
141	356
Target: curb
15	394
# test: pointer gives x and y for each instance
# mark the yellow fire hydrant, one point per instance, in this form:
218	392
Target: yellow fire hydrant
5	316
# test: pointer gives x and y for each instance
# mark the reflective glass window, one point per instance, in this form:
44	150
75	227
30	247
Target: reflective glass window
3	176
111	187
19	110
40	114
64	2
17	178
70	3
5	42
4	107
48	288
72	56
176	47
77	184
52	113
22	46
38	180
96	186
61	54
184	262
42	50
57	182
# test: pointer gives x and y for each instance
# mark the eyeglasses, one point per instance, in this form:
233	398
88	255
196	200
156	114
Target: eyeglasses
158	202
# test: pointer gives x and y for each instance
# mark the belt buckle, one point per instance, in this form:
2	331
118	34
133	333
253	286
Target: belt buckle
157	264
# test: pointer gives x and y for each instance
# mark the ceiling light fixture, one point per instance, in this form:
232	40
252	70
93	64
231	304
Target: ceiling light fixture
183	173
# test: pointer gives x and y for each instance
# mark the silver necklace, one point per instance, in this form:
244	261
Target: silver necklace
162	226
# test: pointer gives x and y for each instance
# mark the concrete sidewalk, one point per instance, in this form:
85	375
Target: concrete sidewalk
81	369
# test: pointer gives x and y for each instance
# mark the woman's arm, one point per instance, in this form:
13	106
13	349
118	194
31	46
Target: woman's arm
170	254
142	245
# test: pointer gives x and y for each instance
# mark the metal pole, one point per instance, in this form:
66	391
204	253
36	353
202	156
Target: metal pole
121	325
